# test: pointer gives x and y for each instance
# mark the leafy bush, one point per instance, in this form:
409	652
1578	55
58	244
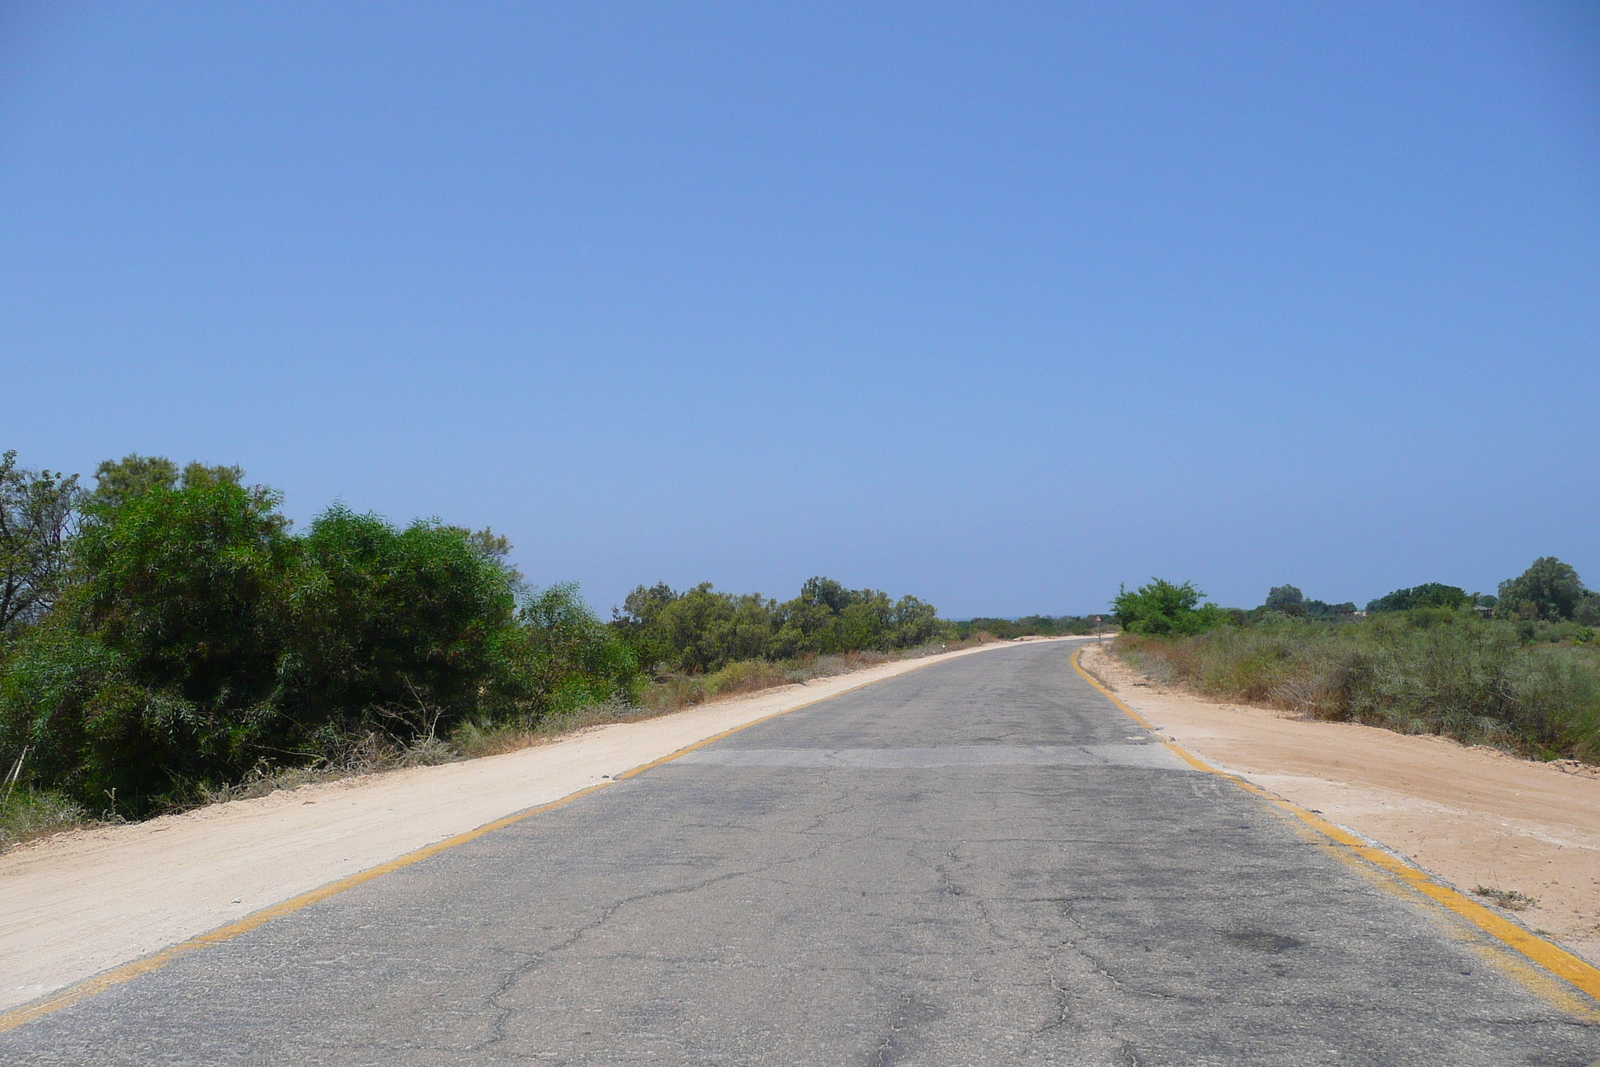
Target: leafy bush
64	702
559	658
1164	608
381	617
185	583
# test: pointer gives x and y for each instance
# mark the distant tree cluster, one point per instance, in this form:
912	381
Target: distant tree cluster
1549	591
1288	600
1427	595
700	630
1030	626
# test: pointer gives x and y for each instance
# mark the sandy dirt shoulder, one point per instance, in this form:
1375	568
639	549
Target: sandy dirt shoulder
79	903
1471	816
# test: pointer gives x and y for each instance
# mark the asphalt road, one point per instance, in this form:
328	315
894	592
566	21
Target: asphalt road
982	862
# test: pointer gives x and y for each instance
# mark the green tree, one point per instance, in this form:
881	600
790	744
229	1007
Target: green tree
1286	599
827	593
1164	608
174	608
1426	595
1549	589
914	622
1320	609
708	629
827	617
37	512
185	583
635	622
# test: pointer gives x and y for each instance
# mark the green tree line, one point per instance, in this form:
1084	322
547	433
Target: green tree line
167	629
1549	591
700	630
167	632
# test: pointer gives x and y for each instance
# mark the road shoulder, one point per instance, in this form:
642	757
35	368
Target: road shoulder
1471	816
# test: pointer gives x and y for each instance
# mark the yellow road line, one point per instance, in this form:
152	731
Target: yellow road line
1552	958
128	971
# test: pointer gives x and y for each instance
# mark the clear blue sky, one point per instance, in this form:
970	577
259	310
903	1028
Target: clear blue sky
997	304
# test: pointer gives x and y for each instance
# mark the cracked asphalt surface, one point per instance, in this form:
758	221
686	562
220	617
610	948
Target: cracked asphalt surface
981	862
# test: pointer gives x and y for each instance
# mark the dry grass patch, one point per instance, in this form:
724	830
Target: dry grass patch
26	814
1509	899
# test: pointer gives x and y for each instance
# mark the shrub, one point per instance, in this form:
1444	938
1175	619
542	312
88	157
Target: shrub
1164	608
185	584
559	658
1427	670
382	616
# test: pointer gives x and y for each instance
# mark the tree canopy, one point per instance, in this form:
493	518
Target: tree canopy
37	510
1549	589
1426	595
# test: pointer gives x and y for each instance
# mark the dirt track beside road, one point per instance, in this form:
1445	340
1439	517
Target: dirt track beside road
1472	816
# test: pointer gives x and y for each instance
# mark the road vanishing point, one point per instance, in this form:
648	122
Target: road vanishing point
980	862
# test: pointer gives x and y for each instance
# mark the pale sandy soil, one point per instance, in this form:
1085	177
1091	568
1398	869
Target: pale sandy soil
79	903
1471	816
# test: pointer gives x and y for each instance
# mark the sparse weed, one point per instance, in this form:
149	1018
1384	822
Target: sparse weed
1509	899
